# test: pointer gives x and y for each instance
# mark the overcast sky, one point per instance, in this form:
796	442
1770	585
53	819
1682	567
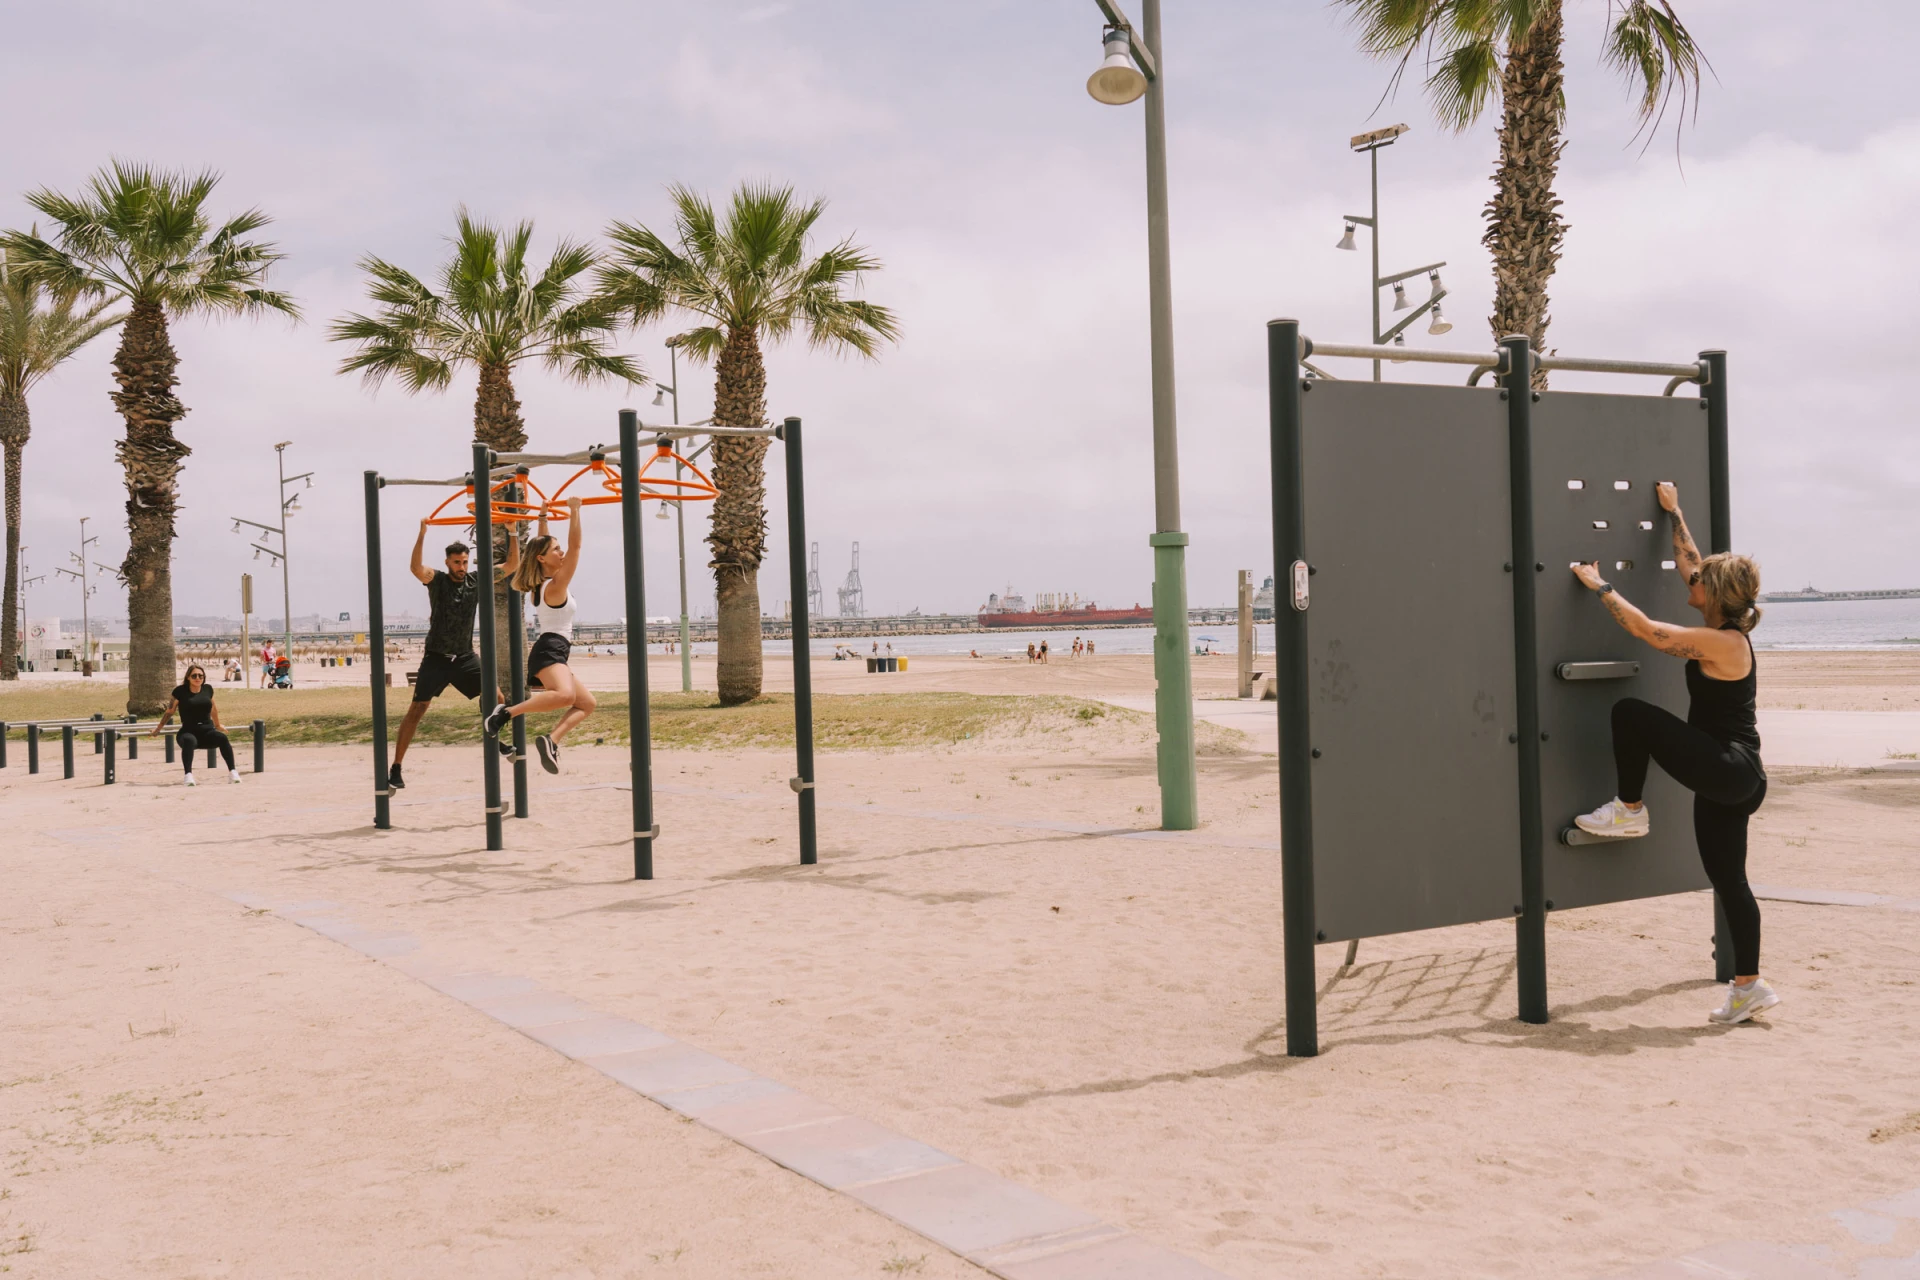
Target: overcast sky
1006	439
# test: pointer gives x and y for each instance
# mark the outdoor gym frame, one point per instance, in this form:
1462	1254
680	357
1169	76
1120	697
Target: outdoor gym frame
1410	648
512	469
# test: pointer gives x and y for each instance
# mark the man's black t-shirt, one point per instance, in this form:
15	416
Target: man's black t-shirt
455	605
196	709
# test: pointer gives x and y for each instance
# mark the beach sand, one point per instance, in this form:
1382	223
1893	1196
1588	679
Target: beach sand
193	1088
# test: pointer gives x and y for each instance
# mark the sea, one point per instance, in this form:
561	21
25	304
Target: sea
1816	624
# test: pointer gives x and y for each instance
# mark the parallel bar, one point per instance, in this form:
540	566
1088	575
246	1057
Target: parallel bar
1578	364
639	712
1713	395
377	654
489	675
1571	364
1413	355
1287	433
802	648
1530	924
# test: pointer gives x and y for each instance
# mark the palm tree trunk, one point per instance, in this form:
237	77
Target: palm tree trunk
498	425
14	429
1524	227
151	457
738	535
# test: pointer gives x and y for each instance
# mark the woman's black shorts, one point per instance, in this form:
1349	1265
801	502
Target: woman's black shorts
437	671
549	650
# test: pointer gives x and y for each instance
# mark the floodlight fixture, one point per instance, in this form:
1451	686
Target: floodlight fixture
1117	81
1400	302
659	397
1440	323
662	513
1433	279
1346	241
1400	340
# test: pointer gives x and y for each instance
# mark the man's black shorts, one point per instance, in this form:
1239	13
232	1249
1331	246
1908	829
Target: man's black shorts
437	671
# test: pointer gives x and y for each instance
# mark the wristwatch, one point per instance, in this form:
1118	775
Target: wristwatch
1603	588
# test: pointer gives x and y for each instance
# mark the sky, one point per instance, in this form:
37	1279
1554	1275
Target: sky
1005	441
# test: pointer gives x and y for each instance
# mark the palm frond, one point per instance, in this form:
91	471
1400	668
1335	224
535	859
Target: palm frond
1653	50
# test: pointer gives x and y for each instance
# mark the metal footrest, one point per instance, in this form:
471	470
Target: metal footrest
1575	836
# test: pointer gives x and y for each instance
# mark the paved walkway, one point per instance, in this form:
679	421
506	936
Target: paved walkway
1849	739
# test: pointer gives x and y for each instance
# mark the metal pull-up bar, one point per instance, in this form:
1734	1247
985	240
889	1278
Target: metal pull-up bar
1485	362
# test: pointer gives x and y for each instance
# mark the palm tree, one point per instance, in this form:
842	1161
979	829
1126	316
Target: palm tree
747	278
489	315
143	236
37	334
1477	48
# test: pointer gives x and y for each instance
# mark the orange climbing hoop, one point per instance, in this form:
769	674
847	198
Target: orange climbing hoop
505	510
659	487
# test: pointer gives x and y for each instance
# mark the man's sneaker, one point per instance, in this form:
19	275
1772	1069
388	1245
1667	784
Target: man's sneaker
496	721
191	782
1614	820
549	753
1743	1002
394	781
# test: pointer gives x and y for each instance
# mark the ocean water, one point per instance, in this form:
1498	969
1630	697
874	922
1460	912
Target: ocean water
1825	624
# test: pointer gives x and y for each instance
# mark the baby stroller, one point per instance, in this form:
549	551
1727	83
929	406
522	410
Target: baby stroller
283	674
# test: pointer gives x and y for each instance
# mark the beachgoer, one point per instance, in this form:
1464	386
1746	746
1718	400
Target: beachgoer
1714	752
1089	646
1033	654
1043	651
974	652
199	723
267	659
546	573
453	597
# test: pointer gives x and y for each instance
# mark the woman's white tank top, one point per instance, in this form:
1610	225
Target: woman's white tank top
555	619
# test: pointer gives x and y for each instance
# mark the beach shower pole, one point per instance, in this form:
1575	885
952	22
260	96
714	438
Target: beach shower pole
802	782
377	658
489	677
639	720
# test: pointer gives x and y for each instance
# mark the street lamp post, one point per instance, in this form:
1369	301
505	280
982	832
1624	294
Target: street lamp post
1371	144
1131	68
86	593
279	555
672	388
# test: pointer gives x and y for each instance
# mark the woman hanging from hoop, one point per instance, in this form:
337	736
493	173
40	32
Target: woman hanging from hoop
546	573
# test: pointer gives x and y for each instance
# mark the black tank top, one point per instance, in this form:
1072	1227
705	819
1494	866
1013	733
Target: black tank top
1724	709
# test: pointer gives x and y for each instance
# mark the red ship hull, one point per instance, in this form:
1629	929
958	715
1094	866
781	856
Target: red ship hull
1068	619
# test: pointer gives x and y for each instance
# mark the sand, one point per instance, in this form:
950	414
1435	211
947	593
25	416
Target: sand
189	1089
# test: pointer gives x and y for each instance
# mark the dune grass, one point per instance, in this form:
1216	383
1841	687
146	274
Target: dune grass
842	722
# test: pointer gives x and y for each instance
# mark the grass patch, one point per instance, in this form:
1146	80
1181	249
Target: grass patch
841	722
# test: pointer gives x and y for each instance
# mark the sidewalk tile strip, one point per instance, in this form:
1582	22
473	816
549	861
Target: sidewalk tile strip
1011	1231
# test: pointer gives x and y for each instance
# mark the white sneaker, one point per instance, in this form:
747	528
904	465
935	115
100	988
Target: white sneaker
1743	1002
235	774
1614	820
191	782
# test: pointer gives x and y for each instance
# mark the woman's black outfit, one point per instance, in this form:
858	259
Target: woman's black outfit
1714	753
196	727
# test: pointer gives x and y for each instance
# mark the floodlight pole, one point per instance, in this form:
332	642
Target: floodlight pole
680	520
1371	144
1172	661
286	568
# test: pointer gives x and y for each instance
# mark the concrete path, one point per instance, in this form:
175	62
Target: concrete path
1846	739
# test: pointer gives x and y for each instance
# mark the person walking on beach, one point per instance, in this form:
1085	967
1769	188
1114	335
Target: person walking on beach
1033	655
199	723
453	601
1714	752
1089	646
1043	651
267	657
546	573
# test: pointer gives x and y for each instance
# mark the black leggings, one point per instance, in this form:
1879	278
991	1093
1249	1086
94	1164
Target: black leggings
204	736
1726	788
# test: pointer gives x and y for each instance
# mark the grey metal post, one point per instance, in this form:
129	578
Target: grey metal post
639	713
133	744
1173	661
113	739
66	750
1373	238
3	744
259	746
1719	539
802	644
377	655
517	672
168	739
1530	921
489	675
33	748
1287	434
99	742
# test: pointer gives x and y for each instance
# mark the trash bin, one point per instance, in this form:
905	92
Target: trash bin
873	664
893	664
903	664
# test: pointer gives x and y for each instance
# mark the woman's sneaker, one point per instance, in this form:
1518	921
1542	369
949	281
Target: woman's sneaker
496	721
190	782
235	774
1743	1002
549	753
1614	820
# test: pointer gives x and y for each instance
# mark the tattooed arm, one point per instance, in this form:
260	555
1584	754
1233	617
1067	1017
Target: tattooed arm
1722	654
1686	556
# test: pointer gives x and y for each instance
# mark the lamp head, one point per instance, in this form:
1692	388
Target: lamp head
1118	81
1399	340
1400	302
662	513
1346	241
1440	323
660	396
1433	281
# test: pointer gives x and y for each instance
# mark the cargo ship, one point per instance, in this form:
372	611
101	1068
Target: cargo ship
1056	611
